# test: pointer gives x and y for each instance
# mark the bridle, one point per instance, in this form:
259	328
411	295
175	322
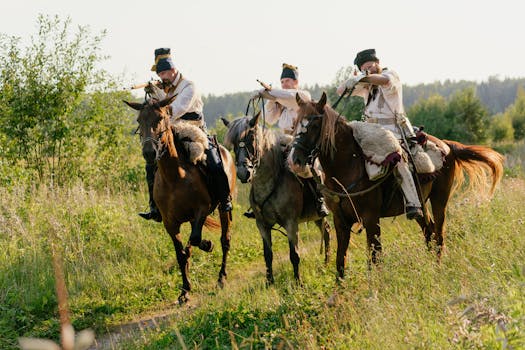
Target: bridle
156	141
312	149
252	159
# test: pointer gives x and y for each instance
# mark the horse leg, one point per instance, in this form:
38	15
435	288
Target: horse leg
266	236
324	228
439	212
292	229
196	235
183	256
373	238
342	229
225	244
427	226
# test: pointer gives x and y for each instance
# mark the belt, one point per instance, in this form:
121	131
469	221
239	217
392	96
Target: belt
191	116
382	121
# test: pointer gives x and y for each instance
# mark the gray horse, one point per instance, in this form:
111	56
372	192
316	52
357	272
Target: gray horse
277	196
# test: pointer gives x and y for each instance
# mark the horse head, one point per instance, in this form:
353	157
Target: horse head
154	120
243	136
307	133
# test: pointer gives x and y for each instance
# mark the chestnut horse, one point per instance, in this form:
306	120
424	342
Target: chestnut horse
352	197
180	189
277	195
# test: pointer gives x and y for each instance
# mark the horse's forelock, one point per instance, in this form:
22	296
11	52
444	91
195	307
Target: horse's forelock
235	131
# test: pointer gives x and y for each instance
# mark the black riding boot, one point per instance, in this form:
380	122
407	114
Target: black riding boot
320	205
223	187
219	179
153	213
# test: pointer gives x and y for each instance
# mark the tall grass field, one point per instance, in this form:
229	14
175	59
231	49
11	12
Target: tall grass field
123	279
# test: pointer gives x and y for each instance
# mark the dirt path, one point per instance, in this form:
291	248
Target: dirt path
152	321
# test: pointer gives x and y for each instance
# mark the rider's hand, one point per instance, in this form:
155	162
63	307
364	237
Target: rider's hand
256	94
353	80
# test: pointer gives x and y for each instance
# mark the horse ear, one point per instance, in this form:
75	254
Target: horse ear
225	121
167	101
255	120
322	102
299	100
136	106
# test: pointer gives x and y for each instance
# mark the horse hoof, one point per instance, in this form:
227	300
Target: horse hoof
183	298
332	300
206	245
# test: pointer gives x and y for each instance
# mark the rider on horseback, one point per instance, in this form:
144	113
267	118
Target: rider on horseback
187	107
384	105
282	108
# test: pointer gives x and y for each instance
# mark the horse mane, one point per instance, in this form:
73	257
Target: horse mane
331	123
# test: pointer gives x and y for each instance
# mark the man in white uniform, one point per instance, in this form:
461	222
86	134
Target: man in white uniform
384	105
282	108
187	107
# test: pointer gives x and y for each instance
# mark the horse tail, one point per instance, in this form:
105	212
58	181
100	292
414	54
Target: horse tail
212	224
483	166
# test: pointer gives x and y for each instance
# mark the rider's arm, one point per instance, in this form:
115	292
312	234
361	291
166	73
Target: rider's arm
286	97
376	79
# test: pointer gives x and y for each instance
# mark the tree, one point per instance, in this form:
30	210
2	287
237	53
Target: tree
431	113
467	117
516	113
40	86
501	128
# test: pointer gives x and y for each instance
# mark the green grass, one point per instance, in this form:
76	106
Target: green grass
121	269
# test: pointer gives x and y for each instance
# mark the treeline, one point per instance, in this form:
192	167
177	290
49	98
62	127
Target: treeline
495	94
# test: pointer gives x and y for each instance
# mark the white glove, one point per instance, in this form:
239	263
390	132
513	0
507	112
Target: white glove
256	94
353	80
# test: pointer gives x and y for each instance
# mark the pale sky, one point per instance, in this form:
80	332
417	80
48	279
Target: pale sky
224	46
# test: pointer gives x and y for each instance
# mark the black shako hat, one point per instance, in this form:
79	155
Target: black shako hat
365	56
162	60
289	71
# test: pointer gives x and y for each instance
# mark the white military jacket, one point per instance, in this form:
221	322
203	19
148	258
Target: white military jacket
188	100
384	103
284	108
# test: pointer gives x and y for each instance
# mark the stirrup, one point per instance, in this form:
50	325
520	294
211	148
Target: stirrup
322	210
414	213
249	214
226	206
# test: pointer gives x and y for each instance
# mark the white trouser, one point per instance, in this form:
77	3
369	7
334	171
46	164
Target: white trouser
407	184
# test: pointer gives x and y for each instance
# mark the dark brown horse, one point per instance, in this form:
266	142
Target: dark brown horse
352	197
180	189
277	195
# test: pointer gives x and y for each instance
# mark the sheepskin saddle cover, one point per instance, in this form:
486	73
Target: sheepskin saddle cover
380	145
193	140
